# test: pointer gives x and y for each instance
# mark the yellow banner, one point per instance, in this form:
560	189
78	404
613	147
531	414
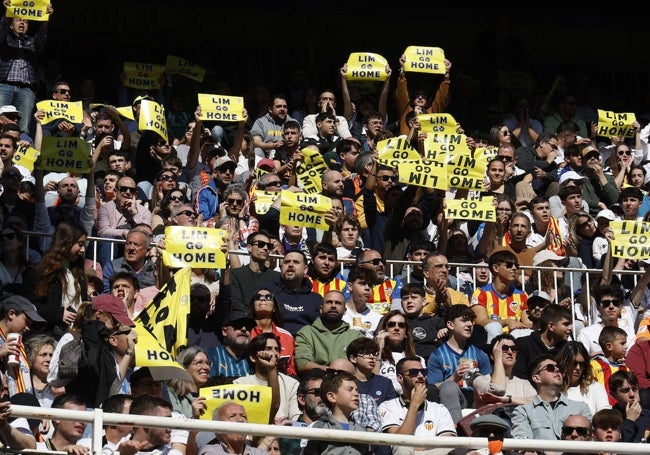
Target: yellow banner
264	200
126	111
165	317
396	150
611	124
143	76
25	156
300	209
196	247
72	111
421	59
149	353
425	173
256	399
152	118
310	171
481	209
466	172
435	147
65	154
177	65
33	10
441	124
631	239
221	108
366	66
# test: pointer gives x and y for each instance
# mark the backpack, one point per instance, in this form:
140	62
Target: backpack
70	358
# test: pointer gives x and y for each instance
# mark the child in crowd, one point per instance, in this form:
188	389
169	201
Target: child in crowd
613	342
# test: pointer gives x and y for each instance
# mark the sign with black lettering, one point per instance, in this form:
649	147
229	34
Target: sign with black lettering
366	66
631	239
196	247
152	118
421	59
65	154
182	67
481	209
143	76
613	124
221	108
256	399
32	10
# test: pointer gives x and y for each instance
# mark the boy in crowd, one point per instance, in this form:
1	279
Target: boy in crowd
613	342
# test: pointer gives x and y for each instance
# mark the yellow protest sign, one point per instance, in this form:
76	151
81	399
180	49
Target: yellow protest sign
196	247
612	124
72	111
264	200
25	156
33	10
311	170
149	353
65	154
421	59
143	76
152	118
481	209
221	107
366	66
396	150
126	111
631	239
441	124
182	67
435	147
300	209
256	399
425	173
465	172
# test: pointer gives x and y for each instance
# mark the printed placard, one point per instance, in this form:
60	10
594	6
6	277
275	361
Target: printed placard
425	173
33	10
178	65
221	108
196	247
256	399
481	209
125	111
72	111
447	146
149	353
440	124
421	59
264	200
152	118
465	172
613	124
310	171
65	154
366	66
396	150
631	239
143	76
300	209
25	156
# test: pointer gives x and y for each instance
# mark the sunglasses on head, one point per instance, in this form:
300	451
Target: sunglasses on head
268	297
608	302
262	244
375	261
127	189
393	324
415	372
582	431
386	178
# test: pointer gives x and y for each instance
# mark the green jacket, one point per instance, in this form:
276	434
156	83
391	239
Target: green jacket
316	343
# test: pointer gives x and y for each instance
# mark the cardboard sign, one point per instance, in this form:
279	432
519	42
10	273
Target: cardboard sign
612	124
65	154
300	209
221	108
481	209
182	67
25	156
143	76
256	399
435	146
425	173
196	247
126	111
366	66
33	10
631	239
72	111
152	118
424	60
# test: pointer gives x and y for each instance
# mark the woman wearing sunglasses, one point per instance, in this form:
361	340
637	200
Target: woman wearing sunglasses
264	309
13	260
165	181
162	218
395	342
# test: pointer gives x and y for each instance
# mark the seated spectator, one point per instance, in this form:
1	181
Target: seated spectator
613	342
364	353
67	433
135	260
229	360
385	290
358	313
607	425
226	443
324	268
440	296
425	328
577	428
15	433
624	387
184	395
149	439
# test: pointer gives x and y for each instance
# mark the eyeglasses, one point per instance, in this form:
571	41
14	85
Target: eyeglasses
368	355
386	178
262	244
163	144
581	364
189	128
608	302
12	117
177	198
421	95
264	297
315	392
375	261
240	326
505	158
231	201
393	324
200	363
167	177
506	348
8	236
551	368
627	389
94	294
624	152
510	264
553	146
582	431
127	189
188	213
62	91
415	372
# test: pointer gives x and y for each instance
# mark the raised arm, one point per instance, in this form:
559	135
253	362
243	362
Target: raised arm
348	112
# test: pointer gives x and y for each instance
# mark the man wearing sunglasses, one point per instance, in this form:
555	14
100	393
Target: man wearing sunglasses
545	415
61	127
115	218
385	290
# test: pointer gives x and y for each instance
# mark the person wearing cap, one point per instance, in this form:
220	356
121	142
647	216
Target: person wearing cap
208	198
230	360
267	129
18	313
551	281
600	188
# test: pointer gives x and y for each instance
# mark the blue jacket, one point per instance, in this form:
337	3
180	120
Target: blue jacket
207	200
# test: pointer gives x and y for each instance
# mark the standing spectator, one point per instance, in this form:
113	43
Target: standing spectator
326	103
61	127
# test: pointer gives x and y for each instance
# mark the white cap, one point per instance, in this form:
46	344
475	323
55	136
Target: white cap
546	255
572	175
607	214
9	109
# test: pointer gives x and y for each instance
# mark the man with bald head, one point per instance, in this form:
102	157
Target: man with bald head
230	442
332	181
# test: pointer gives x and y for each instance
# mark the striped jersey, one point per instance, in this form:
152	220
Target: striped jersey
603	369
509	306
335	284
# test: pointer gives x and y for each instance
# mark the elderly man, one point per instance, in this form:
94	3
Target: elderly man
230	443
135	260
117	217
